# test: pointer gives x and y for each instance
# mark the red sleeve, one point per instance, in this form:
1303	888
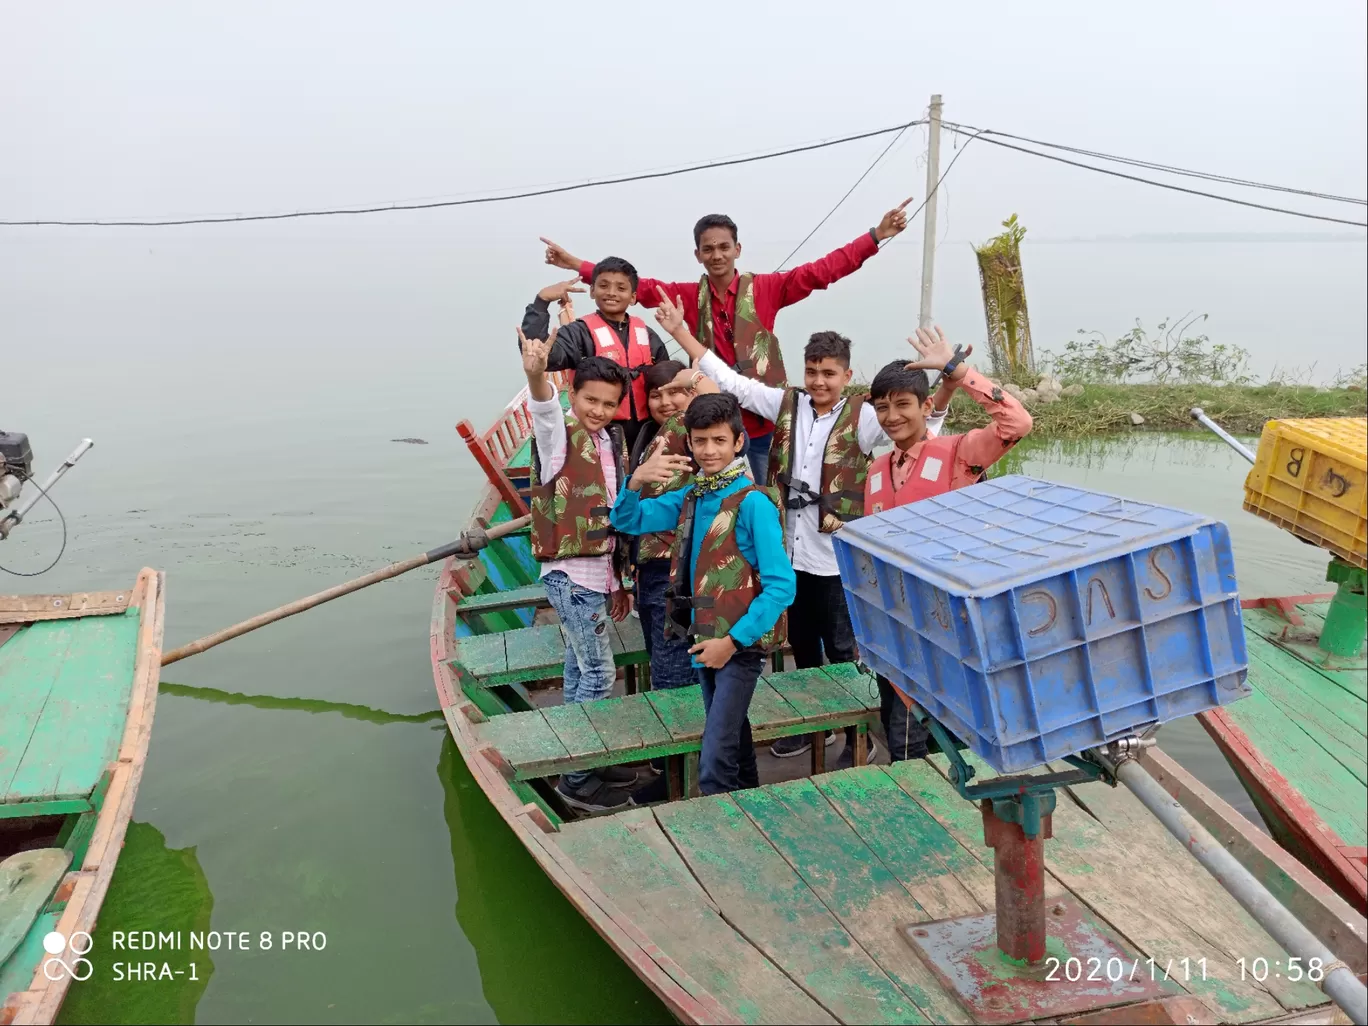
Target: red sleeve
776	291
649	297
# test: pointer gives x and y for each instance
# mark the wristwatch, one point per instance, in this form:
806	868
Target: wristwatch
954	363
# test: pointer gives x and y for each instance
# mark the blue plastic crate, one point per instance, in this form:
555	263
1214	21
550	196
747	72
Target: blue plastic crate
1035	620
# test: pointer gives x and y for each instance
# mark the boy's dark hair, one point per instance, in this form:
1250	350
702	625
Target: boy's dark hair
895	377
713	221
615	264
711	409
600	368
658	375
828	344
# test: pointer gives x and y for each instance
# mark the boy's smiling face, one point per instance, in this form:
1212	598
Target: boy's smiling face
824	380
595	403
903	417
612	293
717	251
714	447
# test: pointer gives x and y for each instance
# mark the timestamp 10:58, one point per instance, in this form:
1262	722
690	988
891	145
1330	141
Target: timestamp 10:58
1294	970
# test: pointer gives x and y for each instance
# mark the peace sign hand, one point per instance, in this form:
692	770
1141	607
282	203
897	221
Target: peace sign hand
659	467
669	314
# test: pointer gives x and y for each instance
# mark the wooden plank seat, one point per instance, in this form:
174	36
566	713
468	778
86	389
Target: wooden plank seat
657	724
531	596
535	653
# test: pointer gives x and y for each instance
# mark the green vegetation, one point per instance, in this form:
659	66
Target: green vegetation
1004	302
1240	409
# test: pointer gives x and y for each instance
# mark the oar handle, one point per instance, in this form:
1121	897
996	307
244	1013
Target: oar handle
468	545
1201	418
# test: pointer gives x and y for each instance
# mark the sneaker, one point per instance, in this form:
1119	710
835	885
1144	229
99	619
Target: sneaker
617	776
595	796
797	744
847	757
648	794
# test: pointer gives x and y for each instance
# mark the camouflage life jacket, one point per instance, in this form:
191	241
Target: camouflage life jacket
844	464
570	511
660	544
757	350
724	584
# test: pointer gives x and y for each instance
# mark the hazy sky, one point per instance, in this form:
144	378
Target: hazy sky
161	109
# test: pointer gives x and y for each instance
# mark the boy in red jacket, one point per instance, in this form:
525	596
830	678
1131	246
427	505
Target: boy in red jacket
921	466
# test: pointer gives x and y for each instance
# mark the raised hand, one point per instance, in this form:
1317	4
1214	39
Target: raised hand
659	467
935	351
535	352
670	313
561	290
893	222
559	256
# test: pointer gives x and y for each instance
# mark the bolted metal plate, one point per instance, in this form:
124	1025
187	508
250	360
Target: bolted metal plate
1086	967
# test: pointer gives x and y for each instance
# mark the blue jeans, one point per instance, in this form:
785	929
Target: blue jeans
727	760
671	666
906	735
589	669
758	455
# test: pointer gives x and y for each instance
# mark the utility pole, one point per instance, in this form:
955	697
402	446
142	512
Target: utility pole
929	221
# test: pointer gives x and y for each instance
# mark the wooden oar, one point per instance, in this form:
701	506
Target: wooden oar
470	543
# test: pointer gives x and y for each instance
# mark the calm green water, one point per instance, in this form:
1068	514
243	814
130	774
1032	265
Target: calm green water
242	394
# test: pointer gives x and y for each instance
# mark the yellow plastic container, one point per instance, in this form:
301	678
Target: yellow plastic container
1310	477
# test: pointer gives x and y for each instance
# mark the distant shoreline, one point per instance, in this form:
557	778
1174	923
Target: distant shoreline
1210	237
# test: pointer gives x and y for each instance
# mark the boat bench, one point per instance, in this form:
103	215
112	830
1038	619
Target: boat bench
666	723
531	596
538	653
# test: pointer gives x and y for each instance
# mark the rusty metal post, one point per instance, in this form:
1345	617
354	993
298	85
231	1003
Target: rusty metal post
1019	882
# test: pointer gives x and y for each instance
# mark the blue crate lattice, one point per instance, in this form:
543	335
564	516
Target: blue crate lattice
1036	620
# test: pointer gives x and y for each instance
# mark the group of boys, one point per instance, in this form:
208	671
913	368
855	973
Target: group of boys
717	488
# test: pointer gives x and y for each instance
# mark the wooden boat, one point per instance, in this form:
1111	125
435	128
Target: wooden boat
794	901
1300	744
78	687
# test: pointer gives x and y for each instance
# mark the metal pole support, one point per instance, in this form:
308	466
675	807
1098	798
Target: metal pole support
1018	881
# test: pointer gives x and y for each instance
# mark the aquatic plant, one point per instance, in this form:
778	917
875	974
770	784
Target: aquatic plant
1004	303
1173	354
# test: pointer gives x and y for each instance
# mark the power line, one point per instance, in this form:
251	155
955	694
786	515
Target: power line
1171	169
842	200
592	184
982	134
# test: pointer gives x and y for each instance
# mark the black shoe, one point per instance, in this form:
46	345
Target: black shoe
595	796
648	794
617	776
847	757
797	744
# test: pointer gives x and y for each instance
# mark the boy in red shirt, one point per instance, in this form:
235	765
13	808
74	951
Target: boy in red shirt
921	466
733	314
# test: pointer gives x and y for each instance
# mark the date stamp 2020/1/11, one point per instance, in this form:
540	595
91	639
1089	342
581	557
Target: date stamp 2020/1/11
1115	969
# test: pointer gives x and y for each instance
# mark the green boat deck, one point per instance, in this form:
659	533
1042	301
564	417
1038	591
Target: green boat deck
785	903
1310	722
656	724
62	711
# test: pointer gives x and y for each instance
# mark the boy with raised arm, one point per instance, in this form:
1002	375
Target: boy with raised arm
671	666
730	577
821	451
923	464
608	331
733	314
578	469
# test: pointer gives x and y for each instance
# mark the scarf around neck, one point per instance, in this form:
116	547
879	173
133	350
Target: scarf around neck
704	483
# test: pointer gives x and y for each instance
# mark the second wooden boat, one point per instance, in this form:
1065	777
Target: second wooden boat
797	901
78	688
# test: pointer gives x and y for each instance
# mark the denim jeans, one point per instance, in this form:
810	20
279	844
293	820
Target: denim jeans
819	623
905	733
589	669
758	454
727	759
671	666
